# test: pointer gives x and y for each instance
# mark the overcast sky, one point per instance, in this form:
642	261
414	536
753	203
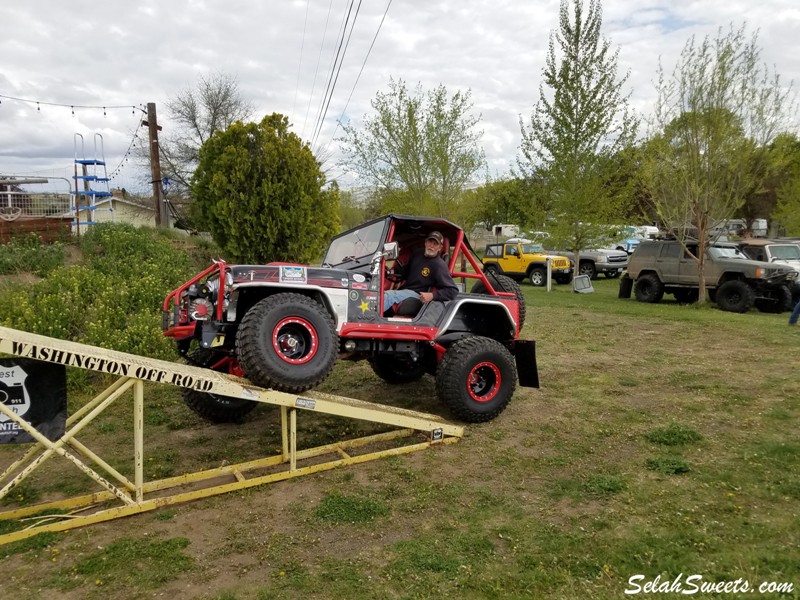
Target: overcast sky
115	53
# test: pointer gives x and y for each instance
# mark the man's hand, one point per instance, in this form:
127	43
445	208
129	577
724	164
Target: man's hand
426	297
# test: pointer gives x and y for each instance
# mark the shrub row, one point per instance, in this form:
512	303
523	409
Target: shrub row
113	300
27	254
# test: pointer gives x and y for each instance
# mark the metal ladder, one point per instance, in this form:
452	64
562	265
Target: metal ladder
95	194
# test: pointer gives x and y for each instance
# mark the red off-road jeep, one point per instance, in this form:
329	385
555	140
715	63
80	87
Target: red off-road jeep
283	326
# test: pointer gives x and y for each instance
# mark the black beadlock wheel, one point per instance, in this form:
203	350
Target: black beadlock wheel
503	283
735	296
476	379
397	369
214	407
648	288
287	342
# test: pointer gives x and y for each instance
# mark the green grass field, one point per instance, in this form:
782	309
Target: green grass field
663	442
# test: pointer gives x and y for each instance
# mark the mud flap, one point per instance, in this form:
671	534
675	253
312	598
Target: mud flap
625	287
525	356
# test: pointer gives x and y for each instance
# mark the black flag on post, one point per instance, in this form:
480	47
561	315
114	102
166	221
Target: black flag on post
35	391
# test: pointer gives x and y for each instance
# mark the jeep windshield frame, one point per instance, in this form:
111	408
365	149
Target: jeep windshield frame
354	246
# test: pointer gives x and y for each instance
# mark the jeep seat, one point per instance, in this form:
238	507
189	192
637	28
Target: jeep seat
407	308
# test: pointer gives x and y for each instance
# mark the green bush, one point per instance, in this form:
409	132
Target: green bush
27	254
114	300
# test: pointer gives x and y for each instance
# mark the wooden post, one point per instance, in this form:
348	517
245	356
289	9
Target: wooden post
153	128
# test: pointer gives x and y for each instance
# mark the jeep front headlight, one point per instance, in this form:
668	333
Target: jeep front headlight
601	258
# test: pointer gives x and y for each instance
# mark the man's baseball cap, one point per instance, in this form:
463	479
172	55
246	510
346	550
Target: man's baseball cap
436	236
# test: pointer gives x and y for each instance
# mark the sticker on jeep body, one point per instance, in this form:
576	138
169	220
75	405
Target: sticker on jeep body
292	275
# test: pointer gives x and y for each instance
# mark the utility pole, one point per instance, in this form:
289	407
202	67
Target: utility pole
162	219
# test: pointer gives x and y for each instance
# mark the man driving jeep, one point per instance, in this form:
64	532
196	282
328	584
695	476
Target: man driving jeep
425	270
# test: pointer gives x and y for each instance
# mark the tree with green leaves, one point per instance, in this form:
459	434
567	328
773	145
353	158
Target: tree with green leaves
787	209
717	115
258	189
502	201
351	212
577	131
418	149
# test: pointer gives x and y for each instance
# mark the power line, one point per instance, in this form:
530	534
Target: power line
364	64
300	65
333	87
321	110
332	66
316	69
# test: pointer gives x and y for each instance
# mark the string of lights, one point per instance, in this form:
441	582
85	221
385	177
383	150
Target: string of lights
124	159
40	103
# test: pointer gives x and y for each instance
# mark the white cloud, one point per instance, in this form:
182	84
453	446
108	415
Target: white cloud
118	53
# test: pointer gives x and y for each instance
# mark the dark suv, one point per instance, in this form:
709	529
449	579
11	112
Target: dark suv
283	326
735	282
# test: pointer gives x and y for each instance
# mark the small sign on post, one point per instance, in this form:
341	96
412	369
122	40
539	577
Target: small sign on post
36	392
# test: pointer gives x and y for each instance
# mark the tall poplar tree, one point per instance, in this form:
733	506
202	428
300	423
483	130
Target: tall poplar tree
577	131
717	113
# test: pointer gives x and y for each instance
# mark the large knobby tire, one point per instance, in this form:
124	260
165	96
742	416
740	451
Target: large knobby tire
735	296
587	268
780	300
476	379
287	342
397	369
503	283
214	407
648	288
538	276
686	295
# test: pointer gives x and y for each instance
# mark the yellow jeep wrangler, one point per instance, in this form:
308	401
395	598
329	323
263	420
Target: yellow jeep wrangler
521	259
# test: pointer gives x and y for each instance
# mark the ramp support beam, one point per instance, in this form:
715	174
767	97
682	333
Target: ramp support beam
140	495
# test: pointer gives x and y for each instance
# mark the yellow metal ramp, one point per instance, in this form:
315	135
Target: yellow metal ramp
132	497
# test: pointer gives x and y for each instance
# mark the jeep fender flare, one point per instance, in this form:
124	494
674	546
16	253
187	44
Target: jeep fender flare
333	299
650	272
729	276
504	325
493	265
534	264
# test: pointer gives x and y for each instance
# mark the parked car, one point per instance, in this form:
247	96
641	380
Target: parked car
773	251
610	263
735	282
519	258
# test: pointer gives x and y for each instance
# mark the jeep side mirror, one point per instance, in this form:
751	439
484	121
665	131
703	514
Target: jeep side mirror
391	250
